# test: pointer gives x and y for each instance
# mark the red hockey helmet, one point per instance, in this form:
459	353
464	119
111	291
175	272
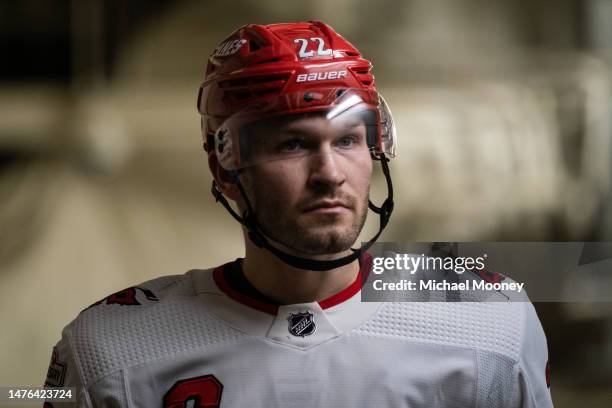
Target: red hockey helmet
263	78
285	69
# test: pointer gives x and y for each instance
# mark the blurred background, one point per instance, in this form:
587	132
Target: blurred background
502	106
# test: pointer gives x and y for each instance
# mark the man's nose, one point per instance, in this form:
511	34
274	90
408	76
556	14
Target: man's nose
326	169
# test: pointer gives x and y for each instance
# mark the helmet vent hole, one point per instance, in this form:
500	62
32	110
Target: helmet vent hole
239	90
243	95
268	61
240	95
267	91
253	46
273	81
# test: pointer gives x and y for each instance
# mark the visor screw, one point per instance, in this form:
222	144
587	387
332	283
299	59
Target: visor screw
308	97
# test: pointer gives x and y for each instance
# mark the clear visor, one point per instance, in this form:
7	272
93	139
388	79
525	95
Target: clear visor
296	126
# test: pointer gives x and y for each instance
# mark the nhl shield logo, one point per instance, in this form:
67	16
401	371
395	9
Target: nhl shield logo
301	324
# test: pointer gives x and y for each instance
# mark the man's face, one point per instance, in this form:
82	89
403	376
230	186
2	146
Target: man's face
310	185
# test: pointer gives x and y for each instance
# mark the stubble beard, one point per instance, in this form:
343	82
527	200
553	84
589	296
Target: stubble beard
319	235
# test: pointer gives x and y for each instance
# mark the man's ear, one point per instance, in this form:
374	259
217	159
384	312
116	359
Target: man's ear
224	178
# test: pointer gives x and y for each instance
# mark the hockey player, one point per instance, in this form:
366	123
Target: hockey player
293	126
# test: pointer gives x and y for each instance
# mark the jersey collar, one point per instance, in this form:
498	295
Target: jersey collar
272	309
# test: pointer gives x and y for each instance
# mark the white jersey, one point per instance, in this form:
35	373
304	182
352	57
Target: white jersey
192	341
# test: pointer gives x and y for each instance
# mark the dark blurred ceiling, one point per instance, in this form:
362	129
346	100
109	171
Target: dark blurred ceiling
49	39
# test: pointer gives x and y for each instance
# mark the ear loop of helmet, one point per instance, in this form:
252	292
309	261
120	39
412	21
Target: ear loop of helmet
249	220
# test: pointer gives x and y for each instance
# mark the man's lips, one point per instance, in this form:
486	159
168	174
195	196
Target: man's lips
328	206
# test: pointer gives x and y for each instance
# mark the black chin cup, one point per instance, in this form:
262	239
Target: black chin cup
261	241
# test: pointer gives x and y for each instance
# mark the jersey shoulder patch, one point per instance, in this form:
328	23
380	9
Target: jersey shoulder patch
127	297
142	294
488	276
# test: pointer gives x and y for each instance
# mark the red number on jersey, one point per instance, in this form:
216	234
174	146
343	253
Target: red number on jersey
203	392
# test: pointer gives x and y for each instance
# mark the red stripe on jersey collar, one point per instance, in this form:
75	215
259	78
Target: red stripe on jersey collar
342	296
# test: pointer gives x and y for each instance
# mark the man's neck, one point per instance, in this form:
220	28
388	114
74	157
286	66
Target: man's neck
287	285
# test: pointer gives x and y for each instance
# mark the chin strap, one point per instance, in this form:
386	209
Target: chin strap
260	240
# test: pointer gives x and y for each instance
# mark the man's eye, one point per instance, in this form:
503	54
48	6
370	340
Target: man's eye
346	141
292	145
